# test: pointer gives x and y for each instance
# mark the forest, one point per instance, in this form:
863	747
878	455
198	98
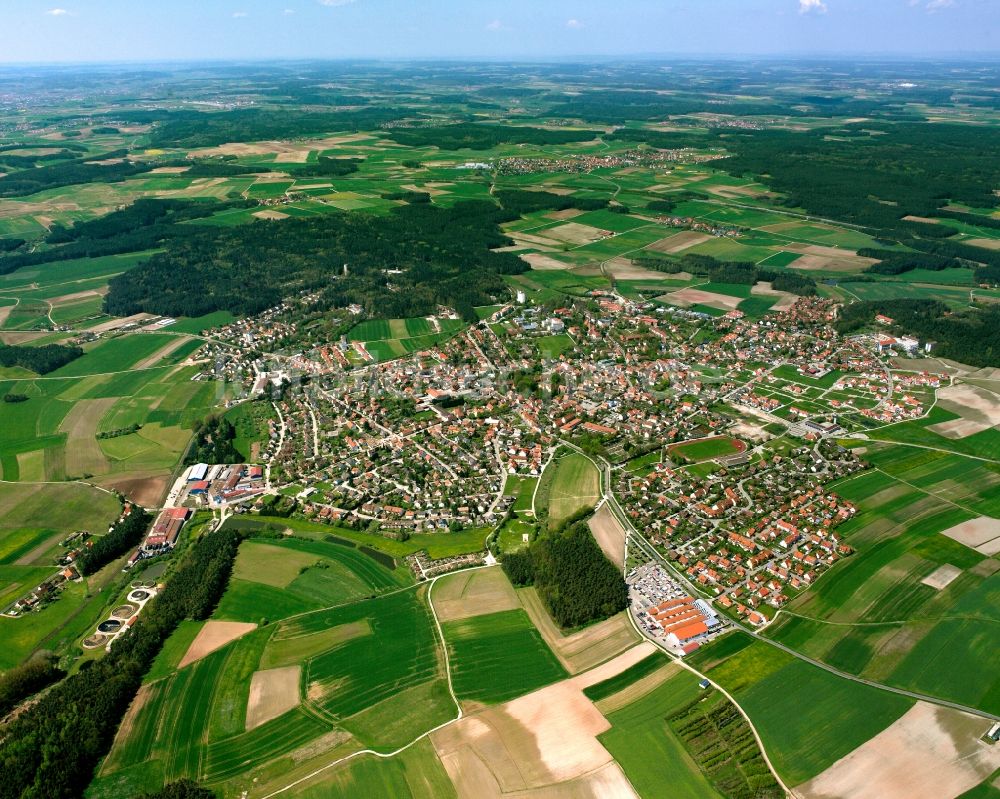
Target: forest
51	749
42	359
470	136
876	179
573	577
445	255
68	173
971	335
129	229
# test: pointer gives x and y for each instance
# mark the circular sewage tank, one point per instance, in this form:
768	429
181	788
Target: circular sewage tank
94	641
139	596
109	626
124	612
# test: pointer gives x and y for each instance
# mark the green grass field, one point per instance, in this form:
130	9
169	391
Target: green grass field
575	485
498	656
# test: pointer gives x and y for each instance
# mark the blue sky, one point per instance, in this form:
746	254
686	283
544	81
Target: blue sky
113	30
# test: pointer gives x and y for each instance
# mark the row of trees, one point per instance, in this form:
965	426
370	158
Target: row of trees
576	581
50	750
125	534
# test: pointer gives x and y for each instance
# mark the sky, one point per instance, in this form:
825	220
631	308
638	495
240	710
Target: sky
44	31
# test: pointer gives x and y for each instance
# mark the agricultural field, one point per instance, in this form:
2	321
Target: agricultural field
573	486
72	426
918	594
646	748
368	671
34	518
808	718
498	656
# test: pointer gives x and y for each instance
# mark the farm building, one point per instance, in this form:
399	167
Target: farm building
197	472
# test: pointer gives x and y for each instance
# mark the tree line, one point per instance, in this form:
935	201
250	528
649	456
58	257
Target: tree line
51	749
123	536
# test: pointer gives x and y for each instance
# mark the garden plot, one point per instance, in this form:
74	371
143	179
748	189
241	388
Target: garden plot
929	752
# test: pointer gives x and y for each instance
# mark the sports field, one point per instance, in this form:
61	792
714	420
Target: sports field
708	448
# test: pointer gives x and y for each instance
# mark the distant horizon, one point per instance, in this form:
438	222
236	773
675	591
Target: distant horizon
75	32
582	58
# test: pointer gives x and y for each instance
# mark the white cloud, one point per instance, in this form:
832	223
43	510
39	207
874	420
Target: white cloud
575	24
495	25
938	5
812	7
57	12
239	14
289	11
333	3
